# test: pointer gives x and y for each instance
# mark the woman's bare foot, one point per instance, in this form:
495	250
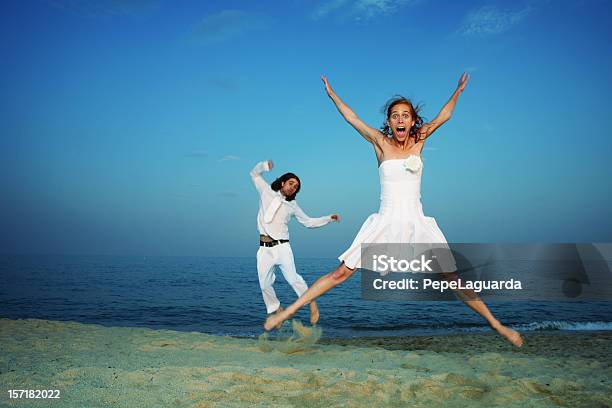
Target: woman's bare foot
512	336
276	320
314	313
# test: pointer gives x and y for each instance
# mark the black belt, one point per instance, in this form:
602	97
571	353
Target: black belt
273	243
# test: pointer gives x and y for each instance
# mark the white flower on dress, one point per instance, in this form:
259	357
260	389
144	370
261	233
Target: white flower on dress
412	163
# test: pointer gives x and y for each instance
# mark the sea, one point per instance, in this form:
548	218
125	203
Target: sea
221	296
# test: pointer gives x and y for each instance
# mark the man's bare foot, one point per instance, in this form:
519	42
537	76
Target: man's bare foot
279	311
314	313
512	336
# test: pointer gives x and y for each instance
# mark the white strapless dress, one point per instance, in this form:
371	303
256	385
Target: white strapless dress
400	218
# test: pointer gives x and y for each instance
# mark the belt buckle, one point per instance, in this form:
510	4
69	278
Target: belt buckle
273	243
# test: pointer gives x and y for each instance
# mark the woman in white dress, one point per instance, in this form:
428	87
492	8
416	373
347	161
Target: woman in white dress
398	146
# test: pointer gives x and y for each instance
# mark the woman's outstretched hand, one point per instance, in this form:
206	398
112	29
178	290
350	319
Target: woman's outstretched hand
328	88
463	82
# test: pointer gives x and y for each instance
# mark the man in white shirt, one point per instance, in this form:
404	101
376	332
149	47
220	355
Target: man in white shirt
276	207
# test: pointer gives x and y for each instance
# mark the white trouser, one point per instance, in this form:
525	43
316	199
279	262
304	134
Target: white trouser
267	259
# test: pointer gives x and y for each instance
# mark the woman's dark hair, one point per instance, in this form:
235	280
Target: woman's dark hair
414	111
277	184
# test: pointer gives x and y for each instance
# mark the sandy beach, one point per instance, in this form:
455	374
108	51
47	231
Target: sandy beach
96	366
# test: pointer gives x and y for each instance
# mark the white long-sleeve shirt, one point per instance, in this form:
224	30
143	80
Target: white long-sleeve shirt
277	227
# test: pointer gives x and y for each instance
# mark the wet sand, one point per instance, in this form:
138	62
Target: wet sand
96	366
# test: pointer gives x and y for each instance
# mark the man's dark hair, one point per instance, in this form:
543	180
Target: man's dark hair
276	185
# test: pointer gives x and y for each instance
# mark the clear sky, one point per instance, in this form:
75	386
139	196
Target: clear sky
130	127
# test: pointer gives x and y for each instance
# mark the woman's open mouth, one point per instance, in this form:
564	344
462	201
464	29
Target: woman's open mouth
401	131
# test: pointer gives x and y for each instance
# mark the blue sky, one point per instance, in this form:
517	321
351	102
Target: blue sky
130	127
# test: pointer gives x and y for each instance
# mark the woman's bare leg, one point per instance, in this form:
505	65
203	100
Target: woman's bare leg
279	310
470	298
322	285
342	273
314	312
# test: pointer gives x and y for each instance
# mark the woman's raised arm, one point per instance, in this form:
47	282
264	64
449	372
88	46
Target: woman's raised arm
370	134
446	111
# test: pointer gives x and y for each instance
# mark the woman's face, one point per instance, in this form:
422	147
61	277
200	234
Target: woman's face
400	121
289	187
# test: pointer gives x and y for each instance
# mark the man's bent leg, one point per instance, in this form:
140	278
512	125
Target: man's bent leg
265	271
287	265
322	285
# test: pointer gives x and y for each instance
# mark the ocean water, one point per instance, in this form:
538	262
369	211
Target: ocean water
221	296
